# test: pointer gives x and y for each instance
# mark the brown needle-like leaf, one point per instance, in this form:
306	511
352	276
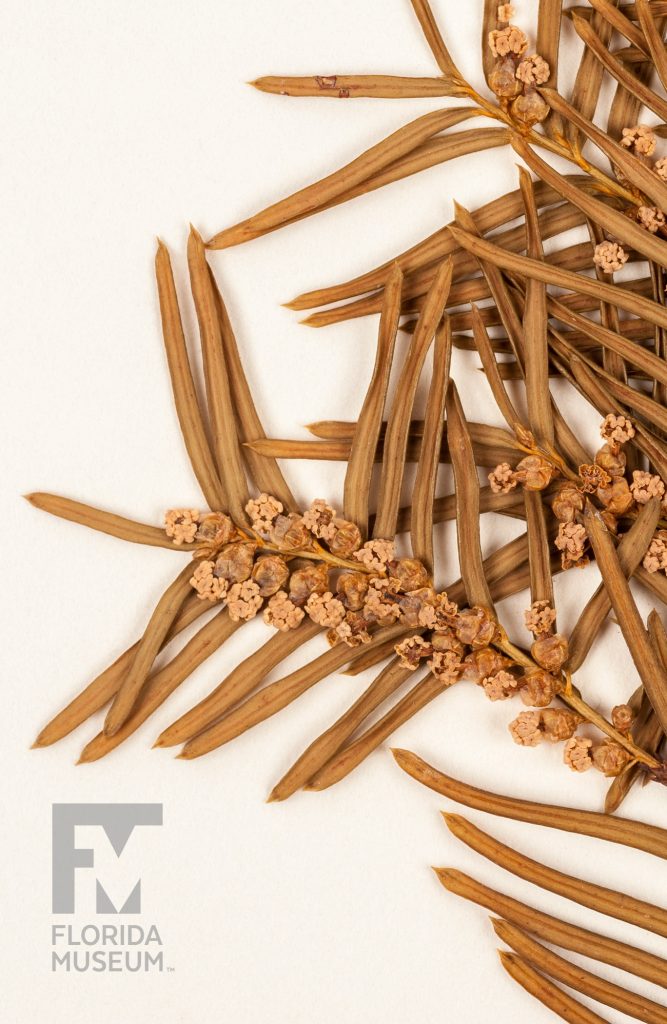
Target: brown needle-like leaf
548	44
311	198
467	504
620	22
185	397
647	733
535	348
588	823
275	696
162	684
490	365
577	978
631	550
237	685
489	23
423	494
359	471
422	9
351	86
560	933
589	78
653	37
434	248
161	621
325	746
351	756
100	691
222	414
617	223
398	423
611	340
526	267
643	177
105	522
618	70
588	894
649	667
550	995
265	472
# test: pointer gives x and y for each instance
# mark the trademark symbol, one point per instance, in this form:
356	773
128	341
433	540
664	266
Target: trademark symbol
170	970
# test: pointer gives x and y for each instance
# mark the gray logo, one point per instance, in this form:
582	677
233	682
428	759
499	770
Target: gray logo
118	822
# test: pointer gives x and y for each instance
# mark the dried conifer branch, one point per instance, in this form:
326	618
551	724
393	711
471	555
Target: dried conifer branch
619	21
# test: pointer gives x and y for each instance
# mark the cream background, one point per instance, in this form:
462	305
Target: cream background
121	121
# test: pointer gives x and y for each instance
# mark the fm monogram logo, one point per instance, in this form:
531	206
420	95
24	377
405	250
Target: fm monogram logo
117	822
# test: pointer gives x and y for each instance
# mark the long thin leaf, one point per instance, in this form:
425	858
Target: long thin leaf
159	625
550	995
422	9
423	494
630	833
351	86
162	684
265	472
649	667
311	198
467	504
275	696
359	471
185	397
618	70
105	522
325	746
631	549
560	933
222	414
622	297
653	37
634	235
398	424
237	685
621	906
100	691
578	978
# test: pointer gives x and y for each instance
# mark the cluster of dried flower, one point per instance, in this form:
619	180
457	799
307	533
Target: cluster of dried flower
516	75
619	496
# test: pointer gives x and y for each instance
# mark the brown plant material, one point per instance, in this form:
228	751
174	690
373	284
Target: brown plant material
615	830
596	897
578	978
560	933
550	995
